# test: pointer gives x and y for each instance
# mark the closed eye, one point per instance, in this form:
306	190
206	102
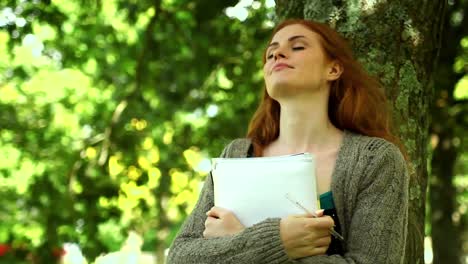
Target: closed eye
298	48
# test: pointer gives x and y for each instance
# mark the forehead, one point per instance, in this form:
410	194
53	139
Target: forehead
293	30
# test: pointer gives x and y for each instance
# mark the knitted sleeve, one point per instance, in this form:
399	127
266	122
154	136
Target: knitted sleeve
260	243
377	231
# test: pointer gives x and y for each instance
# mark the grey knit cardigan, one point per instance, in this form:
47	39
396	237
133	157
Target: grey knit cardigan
370	190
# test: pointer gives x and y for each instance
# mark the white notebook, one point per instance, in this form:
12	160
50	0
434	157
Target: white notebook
255	188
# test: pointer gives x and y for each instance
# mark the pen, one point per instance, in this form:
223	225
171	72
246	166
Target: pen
332	231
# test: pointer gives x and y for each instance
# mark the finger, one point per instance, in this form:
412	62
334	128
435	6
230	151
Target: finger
212	213
319	250
319	212
321	233
219	211
329	220
324	222
320	227
300	216
210	221
207	234
323	241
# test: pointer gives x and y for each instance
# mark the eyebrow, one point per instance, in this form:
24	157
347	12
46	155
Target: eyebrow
290	39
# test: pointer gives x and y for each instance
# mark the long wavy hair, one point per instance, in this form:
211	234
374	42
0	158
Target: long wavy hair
356	103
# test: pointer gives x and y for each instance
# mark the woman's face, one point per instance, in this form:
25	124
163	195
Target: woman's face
295	63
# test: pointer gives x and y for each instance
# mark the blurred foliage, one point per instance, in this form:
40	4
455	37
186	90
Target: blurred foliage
111	110
448	191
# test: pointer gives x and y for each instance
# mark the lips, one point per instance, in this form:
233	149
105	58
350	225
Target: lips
280	66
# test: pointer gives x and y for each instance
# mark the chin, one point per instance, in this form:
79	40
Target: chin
284	90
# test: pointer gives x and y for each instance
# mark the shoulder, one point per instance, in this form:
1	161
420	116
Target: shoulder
370	148
377	158
237	148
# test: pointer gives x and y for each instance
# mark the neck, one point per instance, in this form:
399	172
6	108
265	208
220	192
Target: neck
306	127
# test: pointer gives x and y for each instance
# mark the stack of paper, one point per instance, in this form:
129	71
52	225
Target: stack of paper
256	188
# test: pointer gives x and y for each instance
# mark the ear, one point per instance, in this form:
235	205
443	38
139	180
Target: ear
335	69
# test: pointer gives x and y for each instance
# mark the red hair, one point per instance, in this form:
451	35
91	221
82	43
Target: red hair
356	103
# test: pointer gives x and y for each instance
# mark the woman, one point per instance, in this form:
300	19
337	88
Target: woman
317	99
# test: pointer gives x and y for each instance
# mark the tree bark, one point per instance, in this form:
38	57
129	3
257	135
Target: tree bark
397	41
445	234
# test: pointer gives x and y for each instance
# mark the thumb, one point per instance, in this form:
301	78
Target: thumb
216	211
300	215
319	212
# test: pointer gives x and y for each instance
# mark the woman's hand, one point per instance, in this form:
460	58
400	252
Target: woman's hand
221	222
305	236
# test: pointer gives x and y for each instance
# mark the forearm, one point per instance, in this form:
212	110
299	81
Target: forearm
323	259
260	243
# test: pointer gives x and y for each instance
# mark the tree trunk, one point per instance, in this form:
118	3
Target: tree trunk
160	257
398	41
445	234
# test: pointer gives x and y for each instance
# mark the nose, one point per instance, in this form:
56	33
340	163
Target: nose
279	53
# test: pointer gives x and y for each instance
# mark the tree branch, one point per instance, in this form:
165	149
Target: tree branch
462	102
148	41
139	73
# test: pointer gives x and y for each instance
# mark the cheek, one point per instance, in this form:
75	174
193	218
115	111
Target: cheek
266	66
266	72
312	67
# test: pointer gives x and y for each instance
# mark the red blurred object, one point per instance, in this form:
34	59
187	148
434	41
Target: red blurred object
58	252
4	248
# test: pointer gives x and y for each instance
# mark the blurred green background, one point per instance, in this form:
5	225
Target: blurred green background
110	111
